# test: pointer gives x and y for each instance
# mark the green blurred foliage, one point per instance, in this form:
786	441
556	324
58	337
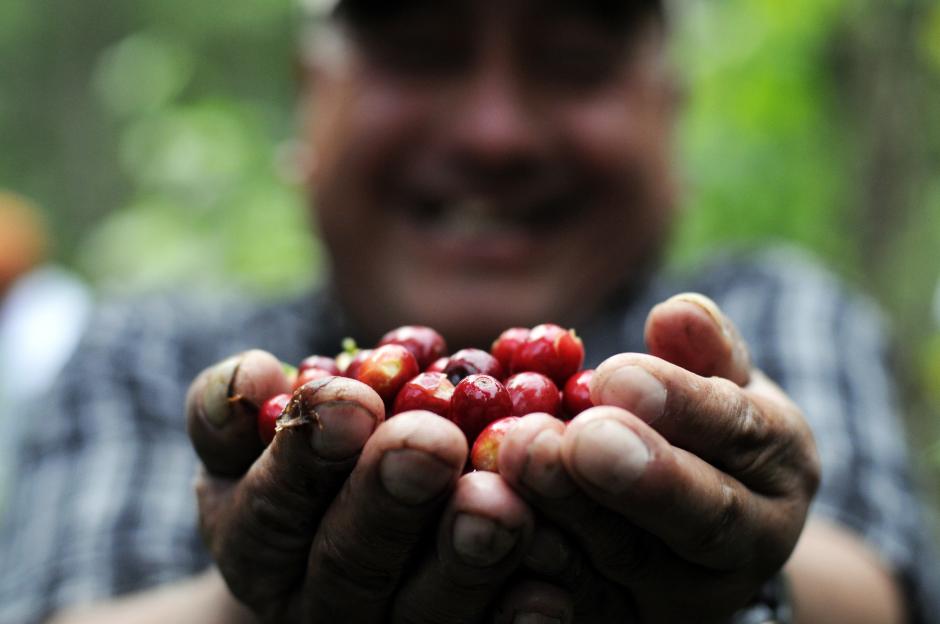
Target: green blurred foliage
762	153
154	133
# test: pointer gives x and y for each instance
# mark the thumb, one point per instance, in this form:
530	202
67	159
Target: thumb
689	330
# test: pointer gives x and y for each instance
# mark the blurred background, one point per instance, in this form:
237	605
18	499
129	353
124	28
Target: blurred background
154	134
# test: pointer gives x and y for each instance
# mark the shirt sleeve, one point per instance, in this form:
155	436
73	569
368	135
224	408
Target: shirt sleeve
828	349
100	502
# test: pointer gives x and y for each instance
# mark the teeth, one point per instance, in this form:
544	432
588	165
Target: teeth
475	216
472	205
472	217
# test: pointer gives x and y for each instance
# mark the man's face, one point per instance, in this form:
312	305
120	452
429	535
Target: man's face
487	164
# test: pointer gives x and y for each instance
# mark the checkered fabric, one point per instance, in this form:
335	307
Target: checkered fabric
102	502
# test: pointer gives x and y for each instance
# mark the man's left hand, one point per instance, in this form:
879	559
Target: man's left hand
689	485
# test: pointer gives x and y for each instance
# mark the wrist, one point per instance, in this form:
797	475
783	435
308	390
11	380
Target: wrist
221	601
202	599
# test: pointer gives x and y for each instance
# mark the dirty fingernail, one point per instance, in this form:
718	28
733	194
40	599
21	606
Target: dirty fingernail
216	406
340	429
636	390
544	471
707	305
480	541
414	477
609	455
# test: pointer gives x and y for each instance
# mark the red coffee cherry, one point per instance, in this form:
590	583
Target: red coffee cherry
355	361
485	452
551	350
270	411
505	347
386	369
472	362
311	374
533	392
427	391
322	362
576	396
478	400
424	343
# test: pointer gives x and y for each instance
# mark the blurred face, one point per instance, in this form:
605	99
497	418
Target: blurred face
486	164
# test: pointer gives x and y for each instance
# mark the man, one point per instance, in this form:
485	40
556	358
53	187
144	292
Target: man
477	165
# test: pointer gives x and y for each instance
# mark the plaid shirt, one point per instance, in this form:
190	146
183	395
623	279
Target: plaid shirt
102	503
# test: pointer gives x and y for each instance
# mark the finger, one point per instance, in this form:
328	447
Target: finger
222	410
482	539
756	434
374	527
535	602
555	558
621	533
530	461
259	528
690	331
666	532
701	513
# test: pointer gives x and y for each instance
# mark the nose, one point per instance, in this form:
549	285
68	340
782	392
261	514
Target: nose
495	123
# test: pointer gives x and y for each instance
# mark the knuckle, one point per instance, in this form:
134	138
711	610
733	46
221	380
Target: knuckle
714	537
762	446
752	465
749	432
340	569
795	460
276	513
752	430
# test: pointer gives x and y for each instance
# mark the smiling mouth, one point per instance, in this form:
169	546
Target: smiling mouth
476	216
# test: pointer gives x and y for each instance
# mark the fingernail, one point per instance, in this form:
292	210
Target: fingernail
636	390
535	618
708	306
609	455
216	406
480	541
340	429
544	471
548	554
414	477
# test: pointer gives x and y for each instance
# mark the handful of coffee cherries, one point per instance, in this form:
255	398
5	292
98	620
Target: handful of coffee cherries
483	393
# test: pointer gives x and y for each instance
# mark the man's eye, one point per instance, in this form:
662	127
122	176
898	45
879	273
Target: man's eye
424	57
419	54
582	65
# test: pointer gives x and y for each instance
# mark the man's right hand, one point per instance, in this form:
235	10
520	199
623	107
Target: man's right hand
331	521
